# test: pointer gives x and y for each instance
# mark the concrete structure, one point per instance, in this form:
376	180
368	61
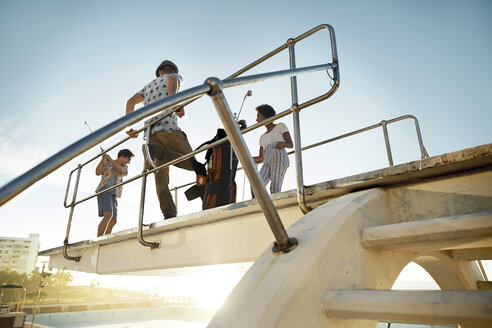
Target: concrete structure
362	232
19	254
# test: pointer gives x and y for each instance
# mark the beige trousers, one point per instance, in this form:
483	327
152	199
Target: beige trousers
173	144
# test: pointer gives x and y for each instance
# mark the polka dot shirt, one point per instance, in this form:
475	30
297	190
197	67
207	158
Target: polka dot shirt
154	91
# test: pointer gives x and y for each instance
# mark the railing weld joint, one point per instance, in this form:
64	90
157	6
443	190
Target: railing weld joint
215	84
295	108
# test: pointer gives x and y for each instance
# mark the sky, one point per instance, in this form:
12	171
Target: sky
64	63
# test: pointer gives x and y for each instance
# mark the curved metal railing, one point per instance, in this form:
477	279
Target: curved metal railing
383	124
214	88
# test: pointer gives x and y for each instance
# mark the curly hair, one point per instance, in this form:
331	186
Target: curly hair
125	153
266	110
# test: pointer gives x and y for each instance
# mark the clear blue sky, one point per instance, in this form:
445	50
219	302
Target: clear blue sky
66	62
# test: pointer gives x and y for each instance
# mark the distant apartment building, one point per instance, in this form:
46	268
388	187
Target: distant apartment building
19	254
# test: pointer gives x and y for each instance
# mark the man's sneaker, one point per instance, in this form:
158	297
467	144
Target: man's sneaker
169	216
149	155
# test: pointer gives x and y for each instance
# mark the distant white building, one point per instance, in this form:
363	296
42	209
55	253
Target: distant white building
19	254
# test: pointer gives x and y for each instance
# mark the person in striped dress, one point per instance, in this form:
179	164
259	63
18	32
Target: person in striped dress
272	150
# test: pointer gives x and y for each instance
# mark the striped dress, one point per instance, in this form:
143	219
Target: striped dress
276	160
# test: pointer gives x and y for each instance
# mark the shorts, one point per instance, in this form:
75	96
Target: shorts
107	203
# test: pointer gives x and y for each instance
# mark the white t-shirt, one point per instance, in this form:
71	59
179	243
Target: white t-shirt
274	136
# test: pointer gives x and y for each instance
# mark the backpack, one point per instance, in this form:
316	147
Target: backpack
218	187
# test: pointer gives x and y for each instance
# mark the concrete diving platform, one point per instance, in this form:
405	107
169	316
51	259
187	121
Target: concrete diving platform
238	233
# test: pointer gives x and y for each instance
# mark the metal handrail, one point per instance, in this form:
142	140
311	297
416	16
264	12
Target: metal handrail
423	151
295	106
21	183
214	87
383	124
283	242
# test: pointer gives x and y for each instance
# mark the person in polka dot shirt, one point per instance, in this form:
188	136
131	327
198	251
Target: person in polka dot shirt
167	141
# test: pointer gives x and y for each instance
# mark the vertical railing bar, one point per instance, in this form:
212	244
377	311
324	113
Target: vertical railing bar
283	242
483	270
386	141
68	189
334	53
423	151
176	199
297	132
335	67
152	245
69	224
244	183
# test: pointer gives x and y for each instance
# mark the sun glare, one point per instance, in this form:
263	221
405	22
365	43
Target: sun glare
218	286
207	286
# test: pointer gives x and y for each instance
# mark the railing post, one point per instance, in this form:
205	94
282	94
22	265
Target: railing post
386	140
152	245
176	199
68	189
484	273
423	151
69	224
283	242
297	132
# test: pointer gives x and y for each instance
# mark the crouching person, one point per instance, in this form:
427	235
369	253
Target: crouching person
111	172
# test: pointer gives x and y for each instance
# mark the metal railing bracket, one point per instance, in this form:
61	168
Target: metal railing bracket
277	250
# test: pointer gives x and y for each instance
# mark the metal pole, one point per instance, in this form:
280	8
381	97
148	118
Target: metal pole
283	242
176	199
248	94
297	132
37	299
423	151
244	184
68	189
335	67
483	270
24	300
386	140
152	245
72	207
19	184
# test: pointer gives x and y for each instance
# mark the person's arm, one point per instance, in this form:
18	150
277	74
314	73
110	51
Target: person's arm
260	157
172	88
130	107
285	144
99	168
172	84
132	102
